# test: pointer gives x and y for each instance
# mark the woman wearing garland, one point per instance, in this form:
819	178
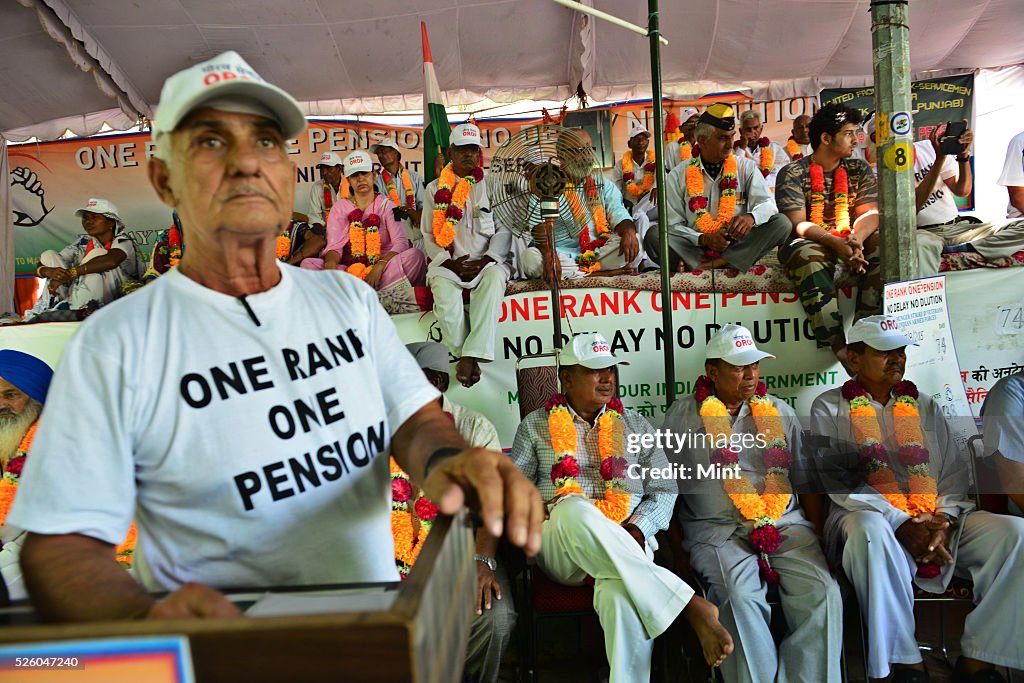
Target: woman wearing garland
832	201
363	237
605	511
747	533
901	515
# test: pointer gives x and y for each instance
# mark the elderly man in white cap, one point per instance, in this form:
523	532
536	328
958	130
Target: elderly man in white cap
403	186
768	156
466	250
740	547
327	190
681	150
634	173
901	515
491	631
589	458
259	458
92	268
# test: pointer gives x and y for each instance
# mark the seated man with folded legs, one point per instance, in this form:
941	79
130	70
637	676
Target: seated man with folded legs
901	516
583	451
719	210
741	542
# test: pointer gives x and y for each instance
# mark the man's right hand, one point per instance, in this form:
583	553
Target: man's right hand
486	587
714	241
457	265
925	537
850	252
194	601
58	275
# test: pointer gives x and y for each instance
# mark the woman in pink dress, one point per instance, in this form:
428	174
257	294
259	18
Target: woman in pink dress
363	237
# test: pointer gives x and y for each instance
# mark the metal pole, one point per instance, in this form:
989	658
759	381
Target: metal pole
654	33
890	45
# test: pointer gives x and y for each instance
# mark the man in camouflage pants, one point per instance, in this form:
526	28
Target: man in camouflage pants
847	229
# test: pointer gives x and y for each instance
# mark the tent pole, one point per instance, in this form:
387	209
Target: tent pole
654	34
890	57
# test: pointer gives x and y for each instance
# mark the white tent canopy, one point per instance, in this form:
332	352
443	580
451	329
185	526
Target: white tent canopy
78	64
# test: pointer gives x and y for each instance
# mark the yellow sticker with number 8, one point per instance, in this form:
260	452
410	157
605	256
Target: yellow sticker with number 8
900	157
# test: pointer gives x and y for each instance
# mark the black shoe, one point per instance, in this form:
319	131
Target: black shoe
983	676
904	675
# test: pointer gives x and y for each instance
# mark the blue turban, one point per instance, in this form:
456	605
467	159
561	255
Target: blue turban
26	372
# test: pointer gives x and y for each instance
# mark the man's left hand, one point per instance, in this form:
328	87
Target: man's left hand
629	245
637	535
740	226
488	481
486	587
373	277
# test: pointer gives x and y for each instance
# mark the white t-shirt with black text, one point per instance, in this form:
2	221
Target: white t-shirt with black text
1013	171
248	455
940	207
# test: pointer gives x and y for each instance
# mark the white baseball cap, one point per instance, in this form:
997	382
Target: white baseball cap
227	83
329	159
388	142
735	345
638	130
465	134
869	126
103	207
687	113
358	162
590	350
880	332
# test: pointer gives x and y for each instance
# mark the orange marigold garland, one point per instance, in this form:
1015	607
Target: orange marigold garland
364	240
685	150
589	258
698	204
9	487
766	508
794	150
767	157
565	472
628	175
412	516
392	190
283	246
841	190
450	201
922	491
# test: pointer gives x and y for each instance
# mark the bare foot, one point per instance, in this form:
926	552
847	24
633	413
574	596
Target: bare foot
467	372
714	639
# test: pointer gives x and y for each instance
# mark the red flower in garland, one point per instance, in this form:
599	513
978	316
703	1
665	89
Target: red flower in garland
372	221
648	167
777	457
766	539
613	468
556	400
695	152
765	172
770	576
852	389
698	203
913	455
928	571
703	389
628	177
453	212
906	388
355	215
737	144
443	196
477	174
725	456
401	490
566	467
875	451
764	142
15	465
616	405
798	157
761	389
732	184
425	510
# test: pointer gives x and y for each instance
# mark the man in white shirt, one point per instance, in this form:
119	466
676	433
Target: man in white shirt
466	250
633	173
799	144
682	149
325	191
255	452
699	235
768	156
1012	177
402	186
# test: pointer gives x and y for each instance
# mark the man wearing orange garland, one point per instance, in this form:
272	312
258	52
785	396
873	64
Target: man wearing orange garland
832	201
634	173
740	544
24	382
719	211
681	150
901	516
402	186
584	453
466	250
768	156
799	144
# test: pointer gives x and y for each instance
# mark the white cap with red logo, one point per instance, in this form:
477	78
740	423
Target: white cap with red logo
638	130
329	159
104	207
358	162
880	332
687	113
590	350
735	345
465	134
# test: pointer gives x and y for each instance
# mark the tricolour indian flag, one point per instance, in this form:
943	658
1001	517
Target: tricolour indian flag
435	118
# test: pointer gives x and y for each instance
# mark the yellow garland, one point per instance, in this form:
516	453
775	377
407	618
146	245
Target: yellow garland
685	150
772	503
767	160
410	198
726	200
627	167
443	226
793	148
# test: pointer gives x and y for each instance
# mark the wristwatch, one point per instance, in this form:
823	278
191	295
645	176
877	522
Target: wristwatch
964	158
950	518
491	563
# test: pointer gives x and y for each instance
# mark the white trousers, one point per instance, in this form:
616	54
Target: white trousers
988	240
990	552
101	287
635	599
476	336
811	650
533	263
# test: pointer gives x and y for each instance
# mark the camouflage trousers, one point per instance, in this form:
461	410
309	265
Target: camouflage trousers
812	268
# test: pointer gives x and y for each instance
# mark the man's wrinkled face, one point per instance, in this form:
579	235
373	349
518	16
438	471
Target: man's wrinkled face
331	174
688	126
717	147
96	224
464	158
802	129
733	383
638	143
879	367
750	131
589	389
388	156
229	174
12	401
